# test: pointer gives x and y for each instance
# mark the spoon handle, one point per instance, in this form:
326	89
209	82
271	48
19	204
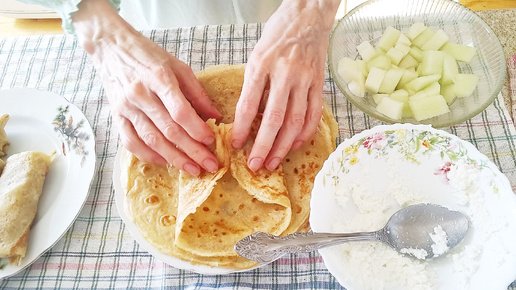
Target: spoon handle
265	248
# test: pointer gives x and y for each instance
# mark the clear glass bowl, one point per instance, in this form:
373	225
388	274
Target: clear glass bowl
369	20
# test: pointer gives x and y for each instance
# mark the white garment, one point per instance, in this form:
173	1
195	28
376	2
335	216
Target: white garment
150	14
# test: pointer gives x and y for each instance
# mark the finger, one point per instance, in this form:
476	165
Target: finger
167	104
272	121
312	118
194	92
292	125
248	104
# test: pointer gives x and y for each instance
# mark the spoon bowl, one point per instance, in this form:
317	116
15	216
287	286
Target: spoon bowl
422	231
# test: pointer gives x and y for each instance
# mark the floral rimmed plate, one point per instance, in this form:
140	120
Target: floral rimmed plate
379	171
46	122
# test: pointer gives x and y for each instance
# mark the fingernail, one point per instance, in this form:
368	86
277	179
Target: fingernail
208	141
237	144
255	164
273	164
297	144
192	169
210	165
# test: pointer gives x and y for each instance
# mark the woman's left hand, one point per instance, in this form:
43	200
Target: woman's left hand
289	61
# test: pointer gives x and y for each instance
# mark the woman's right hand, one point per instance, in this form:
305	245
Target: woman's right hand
156	100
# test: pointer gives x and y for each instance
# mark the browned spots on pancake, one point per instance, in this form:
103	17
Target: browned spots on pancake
167	220
312	142
296	171
144	169
308	153
287	160
206	208
152	199
254	200
241	206
298	209
256	218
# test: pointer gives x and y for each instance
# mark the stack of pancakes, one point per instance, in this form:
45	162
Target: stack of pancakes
199	219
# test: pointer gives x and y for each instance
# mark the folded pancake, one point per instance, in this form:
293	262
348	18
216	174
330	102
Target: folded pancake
21	184
239	204
198	219
2	165
4	142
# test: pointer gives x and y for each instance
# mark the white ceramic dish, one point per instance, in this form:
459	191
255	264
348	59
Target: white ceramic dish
419	160
168	259
41	121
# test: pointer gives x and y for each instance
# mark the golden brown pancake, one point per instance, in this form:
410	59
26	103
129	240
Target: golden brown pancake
199	219
21	184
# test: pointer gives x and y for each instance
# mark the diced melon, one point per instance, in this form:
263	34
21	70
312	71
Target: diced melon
408	75
450	69
414	30
422	38
378	97
366	50
402	96
433	89
448	92
436	41
348	69
403	48
419	95
374	79
432	62
395	55
421	83
381	61
465	84
428	107
403	40
388	38
357	87
459	52
390	108
408	61
391	80
416	53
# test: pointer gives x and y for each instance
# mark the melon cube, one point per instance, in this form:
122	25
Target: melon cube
374	79
416	53
388	38
357	87
366	50
450	69
448	92
390	108
395	55
465	85
419	95
403	48
402	96
433	89
391	80
408	75
378	97
408	61
403	40
436	41
381	61
348	69
432	62
362	67
428	107
422	38
414	30
459	52
420	83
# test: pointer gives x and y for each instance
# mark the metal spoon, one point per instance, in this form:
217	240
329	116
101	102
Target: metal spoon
409	231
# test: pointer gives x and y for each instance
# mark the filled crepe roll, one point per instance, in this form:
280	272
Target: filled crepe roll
21	184
4	142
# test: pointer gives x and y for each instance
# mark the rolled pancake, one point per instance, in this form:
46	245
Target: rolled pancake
185	223
21	184
4	142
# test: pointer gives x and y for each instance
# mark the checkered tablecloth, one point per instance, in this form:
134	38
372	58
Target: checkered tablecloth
97	251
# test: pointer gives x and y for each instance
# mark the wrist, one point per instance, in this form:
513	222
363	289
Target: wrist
95	22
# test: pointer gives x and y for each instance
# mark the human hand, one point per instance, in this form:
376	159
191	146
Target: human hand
289	60
154	96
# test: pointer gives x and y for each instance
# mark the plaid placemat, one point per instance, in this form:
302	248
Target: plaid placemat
511	74
98	252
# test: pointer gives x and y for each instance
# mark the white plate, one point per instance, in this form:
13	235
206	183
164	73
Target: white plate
424	161
168	259
35	124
